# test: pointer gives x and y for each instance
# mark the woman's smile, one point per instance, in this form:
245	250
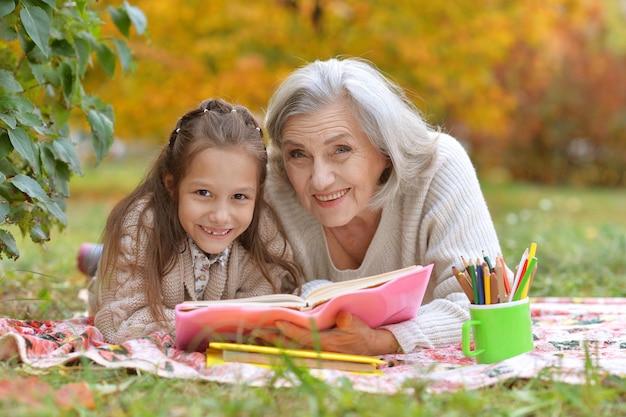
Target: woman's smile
331	196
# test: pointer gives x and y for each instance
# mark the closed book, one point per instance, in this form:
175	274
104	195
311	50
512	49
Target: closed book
287	358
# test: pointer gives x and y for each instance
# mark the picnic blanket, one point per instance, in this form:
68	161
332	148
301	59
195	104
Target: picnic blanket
570	336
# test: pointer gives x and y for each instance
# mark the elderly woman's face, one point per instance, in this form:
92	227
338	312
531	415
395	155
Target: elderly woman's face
331	164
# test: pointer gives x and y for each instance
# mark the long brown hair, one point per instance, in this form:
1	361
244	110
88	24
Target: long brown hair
214	124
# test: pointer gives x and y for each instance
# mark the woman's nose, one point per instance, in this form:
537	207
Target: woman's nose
322	176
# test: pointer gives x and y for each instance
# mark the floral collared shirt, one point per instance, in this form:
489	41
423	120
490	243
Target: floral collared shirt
201	264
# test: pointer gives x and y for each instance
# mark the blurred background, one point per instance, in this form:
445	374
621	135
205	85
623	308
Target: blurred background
535	89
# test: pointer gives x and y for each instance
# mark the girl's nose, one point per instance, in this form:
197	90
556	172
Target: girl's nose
219	213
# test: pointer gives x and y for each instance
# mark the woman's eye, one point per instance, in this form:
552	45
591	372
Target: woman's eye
204	193
296	154
343	149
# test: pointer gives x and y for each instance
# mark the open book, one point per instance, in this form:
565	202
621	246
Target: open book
301	358
378	300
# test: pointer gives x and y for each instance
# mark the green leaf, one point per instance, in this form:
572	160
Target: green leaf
48	159
39	72
106	57
83	49
61	47
30	120
124	54
45	74
18	103
137	17
102	133
81	5
8	245
8	169
64	150
57	171
57	212
25	146
6	7
61	178
51	3
5	146
9	83
67	81
59	114
7	32
30	187
37	235
20	211
121	20
9	120
37	25
4	210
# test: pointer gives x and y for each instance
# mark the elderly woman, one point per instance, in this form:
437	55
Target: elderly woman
362	185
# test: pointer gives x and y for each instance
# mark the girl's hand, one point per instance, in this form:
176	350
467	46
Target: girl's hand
350	335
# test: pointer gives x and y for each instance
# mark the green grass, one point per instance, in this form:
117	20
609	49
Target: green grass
581	236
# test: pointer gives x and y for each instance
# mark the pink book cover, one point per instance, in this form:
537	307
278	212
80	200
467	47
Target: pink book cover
394	301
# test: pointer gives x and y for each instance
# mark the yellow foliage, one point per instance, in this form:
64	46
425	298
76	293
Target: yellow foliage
452	57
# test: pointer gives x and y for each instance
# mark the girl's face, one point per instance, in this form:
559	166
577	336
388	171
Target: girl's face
331	164
217	197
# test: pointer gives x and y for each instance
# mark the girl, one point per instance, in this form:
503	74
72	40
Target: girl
196	228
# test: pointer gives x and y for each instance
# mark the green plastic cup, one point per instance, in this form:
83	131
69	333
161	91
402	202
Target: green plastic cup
500	331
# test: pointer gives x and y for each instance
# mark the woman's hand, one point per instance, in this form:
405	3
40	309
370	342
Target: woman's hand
350	335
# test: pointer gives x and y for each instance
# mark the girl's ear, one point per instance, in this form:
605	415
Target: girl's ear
168	181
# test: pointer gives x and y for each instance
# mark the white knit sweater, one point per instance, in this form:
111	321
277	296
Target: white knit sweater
438	219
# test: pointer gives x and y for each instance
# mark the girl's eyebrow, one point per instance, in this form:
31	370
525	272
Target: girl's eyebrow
202	184
246	190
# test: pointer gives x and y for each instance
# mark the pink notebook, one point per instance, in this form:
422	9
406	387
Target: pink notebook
396	299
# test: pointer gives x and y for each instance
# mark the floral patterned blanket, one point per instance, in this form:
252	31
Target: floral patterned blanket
571	335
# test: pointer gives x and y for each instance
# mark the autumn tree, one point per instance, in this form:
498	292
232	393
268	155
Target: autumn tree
506	78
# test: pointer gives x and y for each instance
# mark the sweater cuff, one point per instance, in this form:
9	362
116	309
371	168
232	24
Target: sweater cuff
437	324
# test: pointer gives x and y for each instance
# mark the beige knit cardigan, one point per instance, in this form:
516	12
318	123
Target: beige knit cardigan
121	308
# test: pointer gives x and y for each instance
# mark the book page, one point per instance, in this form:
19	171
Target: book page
277	300
322	294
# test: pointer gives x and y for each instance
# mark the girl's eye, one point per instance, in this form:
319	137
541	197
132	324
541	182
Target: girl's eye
204	193
240	197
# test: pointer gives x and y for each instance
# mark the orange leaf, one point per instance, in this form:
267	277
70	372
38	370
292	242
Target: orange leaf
69	395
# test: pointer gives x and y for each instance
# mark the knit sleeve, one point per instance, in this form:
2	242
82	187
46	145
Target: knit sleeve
455	221
123	304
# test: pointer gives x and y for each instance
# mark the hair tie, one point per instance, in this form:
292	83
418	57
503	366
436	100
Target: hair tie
233	111
177	129
206	110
